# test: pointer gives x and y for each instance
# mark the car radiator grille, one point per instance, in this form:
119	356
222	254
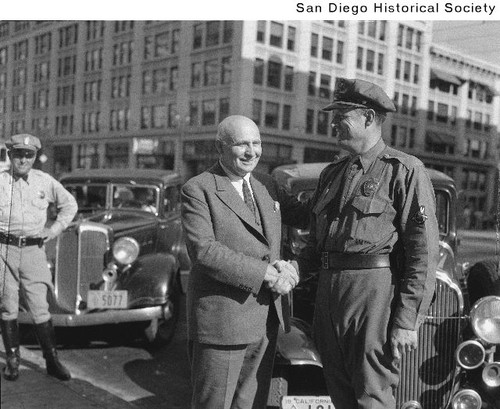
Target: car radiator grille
427	373
80	260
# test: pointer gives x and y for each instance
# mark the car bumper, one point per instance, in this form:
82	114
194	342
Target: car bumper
101	317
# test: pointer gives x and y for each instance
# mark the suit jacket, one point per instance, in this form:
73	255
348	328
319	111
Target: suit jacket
227	302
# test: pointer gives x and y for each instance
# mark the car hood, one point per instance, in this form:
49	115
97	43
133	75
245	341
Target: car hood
121	220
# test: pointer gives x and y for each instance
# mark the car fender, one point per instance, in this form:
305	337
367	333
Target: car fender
297	347
149	280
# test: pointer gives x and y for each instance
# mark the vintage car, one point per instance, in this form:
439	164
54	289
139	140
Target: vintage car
121	260
454	365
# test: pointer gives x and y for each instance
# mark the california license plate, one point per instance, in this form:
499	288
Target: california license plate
107	299
306	402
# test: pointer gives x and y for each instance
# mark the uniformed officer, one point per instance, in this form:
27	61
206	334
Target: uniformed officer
25	194
374	238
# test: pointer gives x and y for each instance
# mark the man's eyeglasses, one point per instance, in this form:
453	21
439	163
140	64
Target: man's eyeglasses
23	154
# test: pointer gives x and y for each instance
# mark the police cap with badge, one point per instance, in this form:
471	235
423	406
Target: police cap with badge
355	93
23	141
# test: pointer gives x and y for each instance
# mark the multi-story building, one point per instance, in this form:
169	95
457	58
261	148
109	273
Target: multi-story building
147	94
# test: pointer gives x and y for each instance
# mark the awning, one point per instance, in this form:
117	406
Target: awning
440	138
445	76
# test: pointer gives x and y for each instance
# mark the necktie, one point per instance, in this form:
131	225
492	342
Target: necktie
247	197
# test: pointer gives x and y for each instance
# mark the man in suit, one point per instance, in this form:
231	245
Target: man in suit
232	223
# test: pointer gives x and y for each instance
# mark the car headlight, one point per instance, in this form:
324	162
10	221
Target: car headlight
412	404
491	374
466	399
126	250
470	354
485	319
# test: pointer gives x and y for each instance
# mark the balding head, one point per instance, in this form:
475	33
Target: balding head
234	125
238	143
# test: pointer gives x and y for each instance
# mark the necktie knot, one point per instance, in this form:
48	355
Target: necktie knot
247	196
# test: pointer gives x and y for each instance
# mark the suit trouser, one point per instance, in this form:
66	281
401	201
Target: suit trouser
232	376
351	326
24	267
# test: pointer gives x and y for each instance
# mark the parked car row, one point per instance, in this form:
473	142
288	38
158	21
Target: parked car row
122	259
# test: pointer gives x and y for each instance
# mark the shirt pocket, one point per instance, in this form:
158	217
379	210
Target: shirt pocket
371	221
39	203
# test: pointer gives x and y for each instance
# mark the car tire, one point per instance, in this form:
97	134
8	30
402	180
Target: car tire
160	330
483	279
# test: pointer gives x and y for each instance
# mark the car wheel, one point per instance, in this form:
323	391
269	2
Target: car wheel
483	279
161	330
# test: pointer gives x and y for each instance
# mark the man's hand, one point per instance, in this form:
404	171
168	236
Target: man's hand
288	271
402	340
49	233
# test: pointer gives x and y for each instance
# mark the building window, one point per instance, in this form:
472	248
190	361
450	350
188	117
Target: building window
398	68
287	114
90	122
193	113
121	26
416	68
324	86
405	104
309	121
208	112
196	74
93	60
311	87
290	45
19	77
197	36
340	52
21	50
413	110
65	95
258	71
314	44
380	65
174	78
18	103
161	45
327	51
175	40
228	30
400	35
361	27
92	91
442	113
359	58
95	30
322	128
276	37
68	35
271	117
409	38
43	43
453	115
122	53
120	86
407	71
173	120
64	124
213	28
370	60
261	31
382	28
226	72
288	78
119	119
257	111
274	74
418	41
88	156
117	155
210	72
3	56
223	108
372	29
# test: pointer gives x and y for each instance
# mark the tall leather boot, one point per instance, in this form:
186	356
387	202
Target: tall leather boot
47	339
10	336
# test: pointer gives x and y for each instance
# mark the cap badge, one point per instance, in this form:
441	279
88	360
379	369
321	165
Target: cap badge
420	217
369	187
27	140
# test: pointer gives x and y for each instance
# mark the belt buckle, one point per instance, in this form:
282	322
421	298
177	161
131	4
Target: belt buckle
324	260
22	241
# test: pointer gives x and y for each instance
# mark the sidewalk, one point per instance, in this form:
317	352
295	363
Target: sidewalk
36	390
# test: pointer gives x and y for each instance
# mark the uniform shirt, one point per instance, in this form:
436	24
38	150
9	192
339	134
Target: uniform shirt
24	203
391	210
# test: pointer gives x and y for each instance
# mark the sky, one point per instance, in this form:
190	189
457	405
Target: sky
479	39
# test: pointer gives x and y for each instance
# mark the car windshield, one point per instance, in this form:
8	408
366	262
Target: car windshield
88	197
135	197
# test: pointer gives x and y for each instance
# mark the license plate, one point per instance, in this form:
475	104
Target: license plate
107	299
306	402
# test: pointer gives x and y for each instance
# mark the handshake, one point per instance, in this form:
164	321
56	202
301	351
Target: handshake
281	277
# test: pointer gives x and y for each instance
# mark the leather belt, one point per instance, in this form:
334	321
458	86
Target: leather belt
346	261
20	241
